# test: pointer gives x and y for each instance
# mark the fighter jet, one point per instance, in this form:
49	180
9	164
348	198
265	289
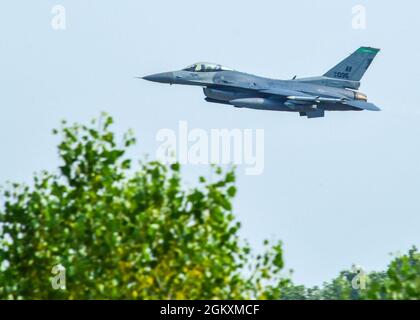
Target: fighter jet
336	90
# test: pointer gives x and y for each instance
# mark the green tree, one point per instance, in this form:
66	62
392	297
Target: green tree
294	292
339	288
135	233
122	233
401	281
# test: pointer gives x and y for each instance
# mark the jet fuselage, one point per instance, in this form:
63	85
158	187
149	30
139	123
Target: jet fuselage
311	97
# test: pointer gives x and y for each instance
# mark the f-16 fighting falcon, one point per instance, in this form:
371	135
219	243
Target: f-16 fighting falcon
337	90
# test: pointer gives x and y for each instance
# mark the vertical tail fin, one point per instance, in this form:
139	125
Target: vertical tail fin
354	67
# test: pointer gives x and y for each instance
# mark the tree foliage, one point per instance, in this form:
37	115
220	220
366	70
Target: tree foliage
125	233
401	281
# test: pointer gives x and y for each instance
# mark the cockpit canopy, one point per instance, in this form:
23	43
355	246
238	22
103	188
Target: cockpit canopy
206	67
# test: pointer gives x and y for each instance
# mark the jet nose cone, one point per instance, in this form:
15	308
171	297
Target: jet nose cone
165	77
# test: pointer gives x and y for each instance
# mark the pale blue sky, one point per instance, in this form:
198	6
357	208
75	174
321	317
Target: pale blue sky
337	191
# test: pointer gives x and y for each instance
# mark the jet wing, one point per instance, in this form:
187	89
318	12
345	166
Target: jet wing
362	105
283	92
297	96
315	99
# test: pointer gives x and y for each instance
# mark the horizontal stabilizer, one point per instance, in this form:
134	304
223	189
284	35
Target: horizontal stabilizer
362	105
